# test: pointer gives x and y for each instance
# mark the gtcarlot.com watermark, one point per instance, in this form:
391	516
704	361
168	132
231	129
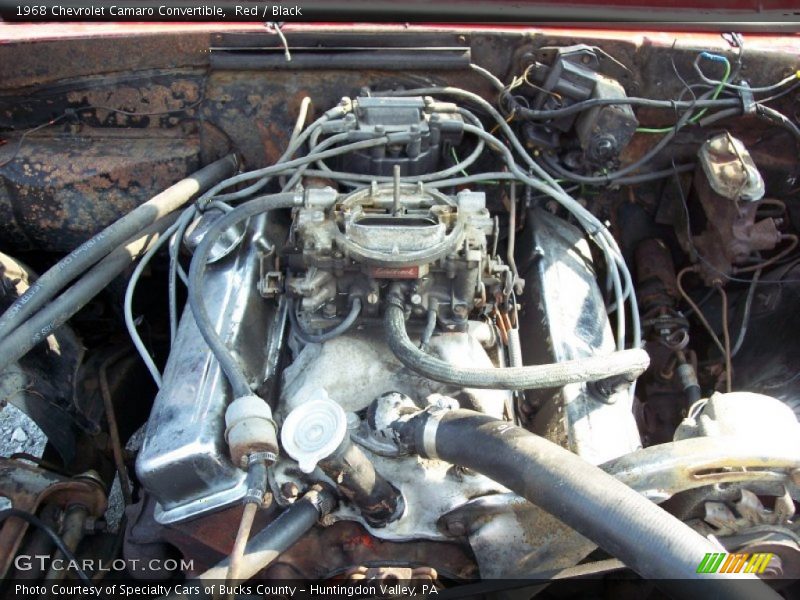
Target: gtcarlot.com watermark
26	562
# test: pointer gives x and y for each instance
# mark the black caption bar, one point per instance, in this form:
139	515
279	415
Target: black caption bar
443	11
122	10
143	10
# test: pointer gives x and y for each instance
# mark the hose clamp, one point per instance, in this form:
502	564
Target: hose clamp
254	457
321	499
254	496
429	432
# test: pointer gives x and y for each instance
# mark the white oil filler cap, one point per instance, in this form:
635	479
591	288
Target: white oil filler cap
314	430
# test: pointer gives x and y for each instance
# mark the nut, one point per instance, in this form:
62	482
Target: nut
289	490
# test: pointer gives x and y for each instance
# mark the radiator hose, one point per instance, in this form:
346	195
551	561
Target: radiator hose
624	523
628	364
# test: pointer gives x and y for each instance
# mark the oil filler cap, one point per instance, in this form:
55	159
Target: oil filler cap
314	430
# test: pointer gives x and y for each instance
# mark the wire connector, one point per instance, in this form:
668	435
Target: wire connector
713	57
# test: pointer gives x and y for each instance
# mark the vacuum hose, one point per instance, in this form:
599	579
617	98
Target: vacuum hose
617	518
628	364
333	332
230	366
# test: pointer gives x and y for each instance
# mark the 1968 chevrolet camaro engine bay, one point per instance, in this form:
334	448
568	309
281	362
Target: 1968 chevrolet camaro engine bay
424	303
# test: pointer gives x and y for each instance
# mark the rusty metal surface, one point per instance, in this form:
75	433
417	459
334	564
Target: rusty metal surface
214	534
61	189
662	399
655	274
205	540
25	63
153	98
149	98
255	111
335	550
29	488
258	109
271	98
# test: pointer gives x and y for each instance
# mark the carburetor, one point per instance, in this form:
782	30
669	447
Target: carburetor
433	248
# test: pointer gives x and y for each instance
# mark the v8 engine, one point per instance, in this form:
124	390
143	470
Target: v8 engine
357	294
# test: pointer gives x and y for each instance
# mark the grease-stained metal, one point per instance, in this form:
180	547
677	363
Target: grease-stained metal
29	488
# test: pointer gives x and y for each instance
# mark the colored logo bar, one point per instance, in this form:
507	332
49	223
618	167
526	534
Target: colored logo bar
722	562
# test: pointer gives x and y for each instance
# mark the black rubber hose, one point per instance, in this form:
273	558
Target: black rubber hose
227	361
595	504
38	327
333	332
357	479
627	363
94	249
